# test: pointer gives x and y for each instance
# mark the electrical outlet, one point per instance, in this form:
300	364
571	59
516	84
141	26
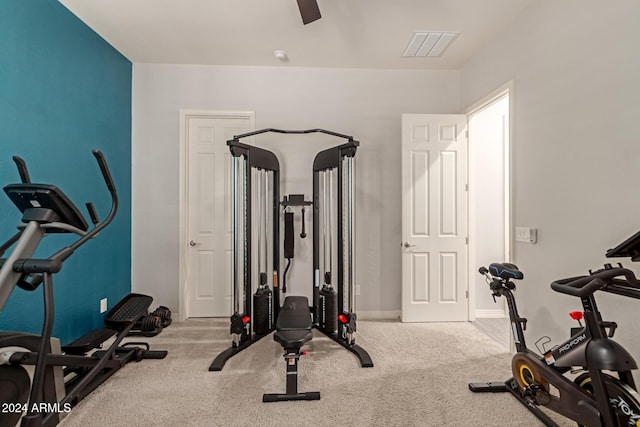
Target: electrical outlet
357	289
103	305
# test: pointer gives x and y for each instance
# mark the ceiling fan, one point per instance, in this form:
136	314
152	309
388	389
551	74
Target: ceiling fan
309	11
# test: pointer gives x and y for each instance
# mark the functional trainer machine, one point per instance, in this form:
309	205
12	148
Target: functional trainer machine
604	394
258	314
59	381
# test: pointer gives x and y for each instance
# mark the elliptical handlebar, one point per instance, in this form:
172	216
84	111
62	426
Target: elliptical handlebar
20	268
22	169
607	279
66	252
105	171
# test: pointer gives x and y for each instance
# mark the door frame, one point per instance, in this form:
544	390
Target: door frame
505	89
183	218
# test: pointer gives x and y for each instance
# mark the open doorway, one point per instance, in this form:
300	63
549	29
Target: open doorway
490	208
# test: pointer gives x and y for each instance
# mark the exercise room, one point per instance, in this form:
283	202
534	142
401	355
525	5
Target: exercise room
319	212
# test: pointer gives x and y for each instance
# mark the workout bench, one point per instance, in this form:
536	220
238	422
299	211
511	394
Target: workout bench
293	330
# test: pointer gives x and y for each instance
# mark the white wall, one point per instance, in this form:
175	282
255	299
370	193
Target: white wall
575	68
364	103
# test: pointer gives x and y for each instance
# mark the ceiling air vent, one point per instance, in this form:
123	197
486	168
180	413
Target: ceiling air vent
429	43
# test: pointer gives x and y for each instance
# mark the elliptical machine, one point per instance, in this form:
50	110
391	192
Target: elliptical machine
59	380
593	398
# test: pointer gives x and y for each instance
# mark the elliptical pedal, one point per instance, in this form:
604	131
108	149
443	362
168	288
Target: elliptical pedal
128	311
88	341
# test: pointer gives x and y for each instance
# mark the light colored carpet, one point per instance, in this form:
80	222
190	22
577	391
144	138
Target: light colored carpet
419	379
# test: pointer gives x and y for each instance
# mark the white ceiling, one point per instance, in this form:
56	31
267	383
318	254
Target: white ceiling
351	33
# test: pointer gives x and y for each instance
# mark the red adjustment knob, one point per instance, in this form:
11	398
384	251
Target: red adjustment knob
343	319
304	352
246	319
576	315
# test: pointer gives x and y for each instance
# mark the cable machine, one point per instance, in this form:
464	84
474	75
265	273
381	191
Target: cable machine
337	320
250	322
333	304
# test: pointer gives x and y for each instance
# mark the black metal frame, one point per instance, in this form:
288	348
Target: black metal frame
57	214
330	159
291	357
630	248
263	159
590	347
256	158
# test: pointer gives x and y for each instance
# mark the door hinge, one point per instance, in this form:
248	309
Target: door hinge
466	240
467	294
466	187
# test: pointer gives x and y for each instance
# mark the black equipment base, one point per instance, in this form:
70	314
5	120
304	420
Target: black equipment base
512	386
293	330
488	387
220	360
361	353
274	397
83	371
291	358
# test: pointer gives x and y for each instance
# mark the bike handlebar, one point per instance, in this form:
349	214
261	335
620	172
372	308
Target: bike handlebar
602	280
581	286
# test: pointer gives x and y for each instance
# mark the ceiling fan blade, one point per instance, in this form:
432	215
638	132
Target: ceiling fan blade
309	11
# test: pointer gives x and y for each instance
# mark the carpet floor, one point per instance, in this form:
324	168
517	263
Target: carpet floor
419	379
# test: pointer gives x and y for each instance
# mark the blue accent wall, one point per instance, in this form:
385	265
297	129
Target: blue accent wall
64	91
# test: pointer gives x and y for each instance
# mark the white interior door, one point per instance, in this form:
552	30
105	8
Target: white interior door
434	218
208	239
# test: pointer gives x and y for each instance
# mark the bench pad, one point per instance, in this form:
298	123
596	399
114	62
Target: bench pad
293	327
292	339
294	315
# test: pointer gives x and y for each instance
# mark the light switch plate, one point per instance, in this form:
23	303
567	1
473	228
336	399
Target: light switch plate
526	234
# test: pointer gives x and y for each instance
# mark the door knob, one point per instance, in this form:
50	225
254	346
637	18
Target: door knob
193	243
408	245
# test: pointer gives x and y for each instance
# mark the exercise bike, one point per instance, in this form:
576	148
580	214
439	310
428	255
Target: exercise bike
594	397
59	381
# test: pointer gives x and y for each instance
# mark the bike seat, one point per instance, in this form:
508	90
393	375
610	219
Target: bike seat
505	271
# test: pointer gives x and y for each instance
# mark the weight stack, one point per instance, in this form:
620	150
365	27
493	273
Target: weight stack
328	309
262	300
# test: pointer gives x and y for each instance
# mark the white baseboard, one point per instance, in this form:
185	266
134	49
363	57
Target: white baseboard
379	315
362	315
490	314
